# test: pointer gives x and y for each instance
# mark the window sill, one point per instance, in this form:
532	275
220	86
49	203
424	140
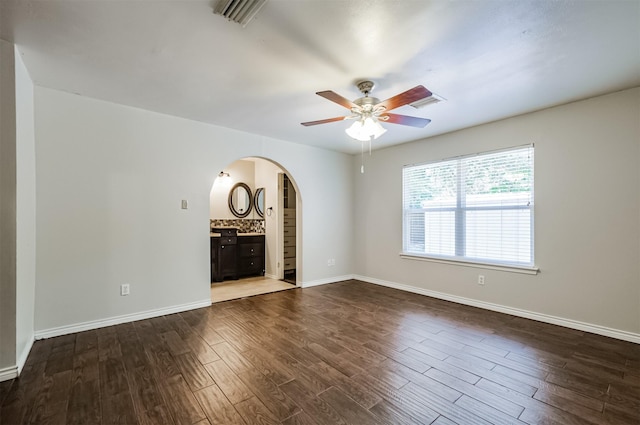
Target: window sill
505	268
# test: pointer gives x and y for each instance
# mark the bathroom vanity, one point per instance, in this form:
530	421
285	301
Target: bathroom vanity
235	255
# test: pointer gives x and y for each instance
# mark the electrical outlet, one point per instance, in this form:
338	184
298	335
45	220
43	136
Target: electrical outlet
184	204
480	279
331	262
124	289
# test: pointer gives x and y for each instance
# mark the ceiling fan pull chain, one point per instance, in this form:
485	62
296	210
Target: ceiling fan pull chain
362	156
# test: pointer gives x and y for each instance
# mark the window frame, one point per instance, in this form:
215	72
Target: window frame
460	212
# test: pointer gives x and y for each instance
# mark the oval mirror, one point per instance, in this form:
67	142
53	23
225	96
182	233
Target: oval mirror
240	200
258	201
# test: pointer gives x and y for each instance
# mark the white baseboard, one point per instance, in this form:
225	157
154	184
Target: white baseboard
326	281
271	276
8	373
95	324
14	371
22	359
554	320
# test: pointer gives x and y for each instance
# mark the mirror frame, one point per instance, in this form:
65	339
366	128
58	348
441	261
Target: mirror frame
256	204
231	206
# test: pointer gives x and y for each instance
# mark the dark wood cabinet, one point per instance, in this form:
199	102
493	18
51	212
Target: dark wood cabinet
251	255
234	256
224	254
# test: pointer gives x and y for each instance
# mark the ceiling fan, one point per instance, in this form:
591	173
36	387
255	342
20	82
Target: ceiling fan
369	111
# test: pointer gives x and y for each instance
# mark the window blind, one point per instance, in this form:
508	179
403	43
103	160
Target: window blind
473	208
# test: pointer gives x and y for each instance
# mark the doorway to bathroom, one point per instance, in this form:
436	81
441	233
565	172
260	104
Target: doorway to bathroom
254	230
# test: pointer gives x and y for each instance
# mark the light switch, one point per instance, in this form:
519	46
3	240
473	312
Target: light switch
185	204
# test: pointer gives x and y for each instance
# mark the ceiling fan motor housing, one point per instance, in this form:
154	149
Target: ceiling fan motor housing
366	103
365	86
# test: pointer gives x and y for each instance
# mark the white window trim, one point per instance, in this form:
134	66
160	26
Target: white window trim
533	270
514	268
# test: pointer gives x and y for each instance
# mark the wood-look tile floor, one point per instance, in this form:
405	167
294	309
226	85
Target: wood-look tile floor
248	287
346	353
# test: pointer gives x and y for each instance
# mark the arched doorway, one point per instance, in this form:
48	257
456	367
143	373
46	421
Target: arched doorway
239	188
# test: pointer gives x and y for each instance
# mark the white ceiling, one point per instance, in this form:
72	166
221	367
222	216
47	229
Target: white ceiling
489	59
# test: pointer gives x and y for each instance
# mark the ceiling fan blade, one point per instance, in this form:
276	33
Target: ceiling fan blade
307	124
410	96
335	97
404	120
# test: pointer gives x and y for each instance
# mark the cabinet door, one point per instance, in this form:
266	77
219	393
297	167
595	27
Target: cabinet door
228	260
215	260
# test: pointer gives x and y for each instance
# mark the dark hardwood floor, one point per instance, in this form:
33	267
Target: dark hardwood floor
346	353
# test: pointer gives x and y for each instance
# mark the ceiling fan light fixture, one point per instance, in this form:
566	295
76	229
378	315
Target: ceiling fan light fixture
355	132
373	128
365	129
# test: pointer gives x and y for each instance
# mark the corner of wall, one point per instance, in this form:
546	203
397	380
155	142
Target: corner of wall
7	209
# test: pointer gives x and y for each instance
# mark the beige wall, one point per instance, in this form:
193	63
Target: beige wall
25	212
110	179
587	210
7	209
266	174
17	212
241	171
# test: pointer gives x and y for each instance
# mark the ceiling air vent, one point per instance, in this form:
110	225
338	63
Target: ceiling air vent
240	11
434	98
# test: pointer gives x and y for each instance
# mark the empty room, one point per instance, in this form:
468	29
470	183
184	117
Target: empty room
319	212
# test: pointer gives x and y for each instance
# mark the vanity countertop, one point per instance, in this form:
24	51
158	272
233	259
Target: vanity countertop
217	235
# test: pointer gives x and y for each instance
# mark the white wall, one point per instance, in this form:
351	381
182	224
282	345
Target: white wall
109	183
587	214
26	211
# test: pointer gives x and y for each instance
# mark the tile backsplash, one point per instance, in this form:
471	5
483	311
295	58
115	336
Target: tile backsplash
243	225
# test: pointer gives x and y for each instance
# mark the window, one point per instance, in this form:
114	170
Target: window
476	208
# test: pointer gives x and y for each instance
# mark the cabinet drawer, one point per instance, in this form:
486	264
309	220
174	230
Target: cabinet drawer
289	263
289	213
289	231
225	232
251	250
289	241
289	221
250	265
228	246
228	240
289	251
251	239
